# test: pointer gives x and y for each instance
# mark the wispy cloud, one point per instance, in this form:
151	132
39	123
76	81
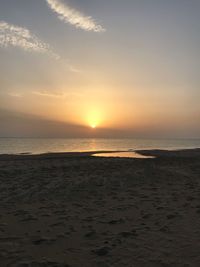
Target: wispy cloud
12	35
13	94
74	17
49	94
54	94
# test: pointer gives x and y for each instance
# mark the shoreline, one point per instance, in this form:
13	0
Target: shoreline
188	152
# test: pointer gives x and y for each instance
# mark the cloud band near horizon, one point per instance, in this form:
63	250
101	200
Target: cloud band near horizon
74	17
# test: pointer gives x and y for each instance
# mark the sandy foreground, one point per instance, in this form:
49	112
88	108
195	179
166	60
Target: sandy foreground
74	210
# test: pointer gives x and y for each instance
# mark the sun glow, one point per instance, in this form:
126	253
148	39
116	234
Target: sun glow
94	119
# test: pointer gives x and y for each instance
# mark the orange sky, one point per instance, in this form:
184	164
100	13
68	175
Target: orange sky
131	66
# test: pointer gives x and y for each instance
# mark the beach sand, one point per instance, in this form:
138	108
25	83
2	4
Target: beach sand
71	209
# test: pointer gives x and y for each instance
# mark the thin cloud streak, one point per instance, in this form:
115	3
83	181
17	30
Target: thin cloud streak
12	35
47	94
56	95
18	95
74	17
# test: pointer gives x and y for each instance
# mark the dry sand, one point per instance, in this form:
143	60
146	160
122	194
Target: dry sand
81	211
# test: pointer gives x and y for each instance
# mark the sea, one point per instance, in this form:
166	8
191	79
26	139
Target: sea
52	145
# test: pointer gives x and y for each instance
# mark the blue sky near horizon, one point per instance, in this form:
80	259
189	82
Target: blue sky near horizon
136	67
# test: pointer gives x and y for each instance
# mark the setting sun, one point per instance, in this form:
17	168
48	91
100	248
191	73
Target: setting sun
94	118
114	79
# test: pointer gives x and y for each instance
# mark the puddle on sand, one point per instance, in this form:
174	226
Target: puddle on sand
122	155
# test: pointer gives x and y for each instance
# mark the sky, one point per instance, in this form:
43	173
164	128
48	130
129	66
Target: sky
100	68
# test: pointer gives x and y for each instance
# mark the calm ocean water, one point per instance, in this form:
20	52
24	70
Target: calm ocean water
37	146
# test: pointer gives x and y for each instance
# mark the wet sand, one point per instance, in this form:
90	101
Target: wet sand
72	209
